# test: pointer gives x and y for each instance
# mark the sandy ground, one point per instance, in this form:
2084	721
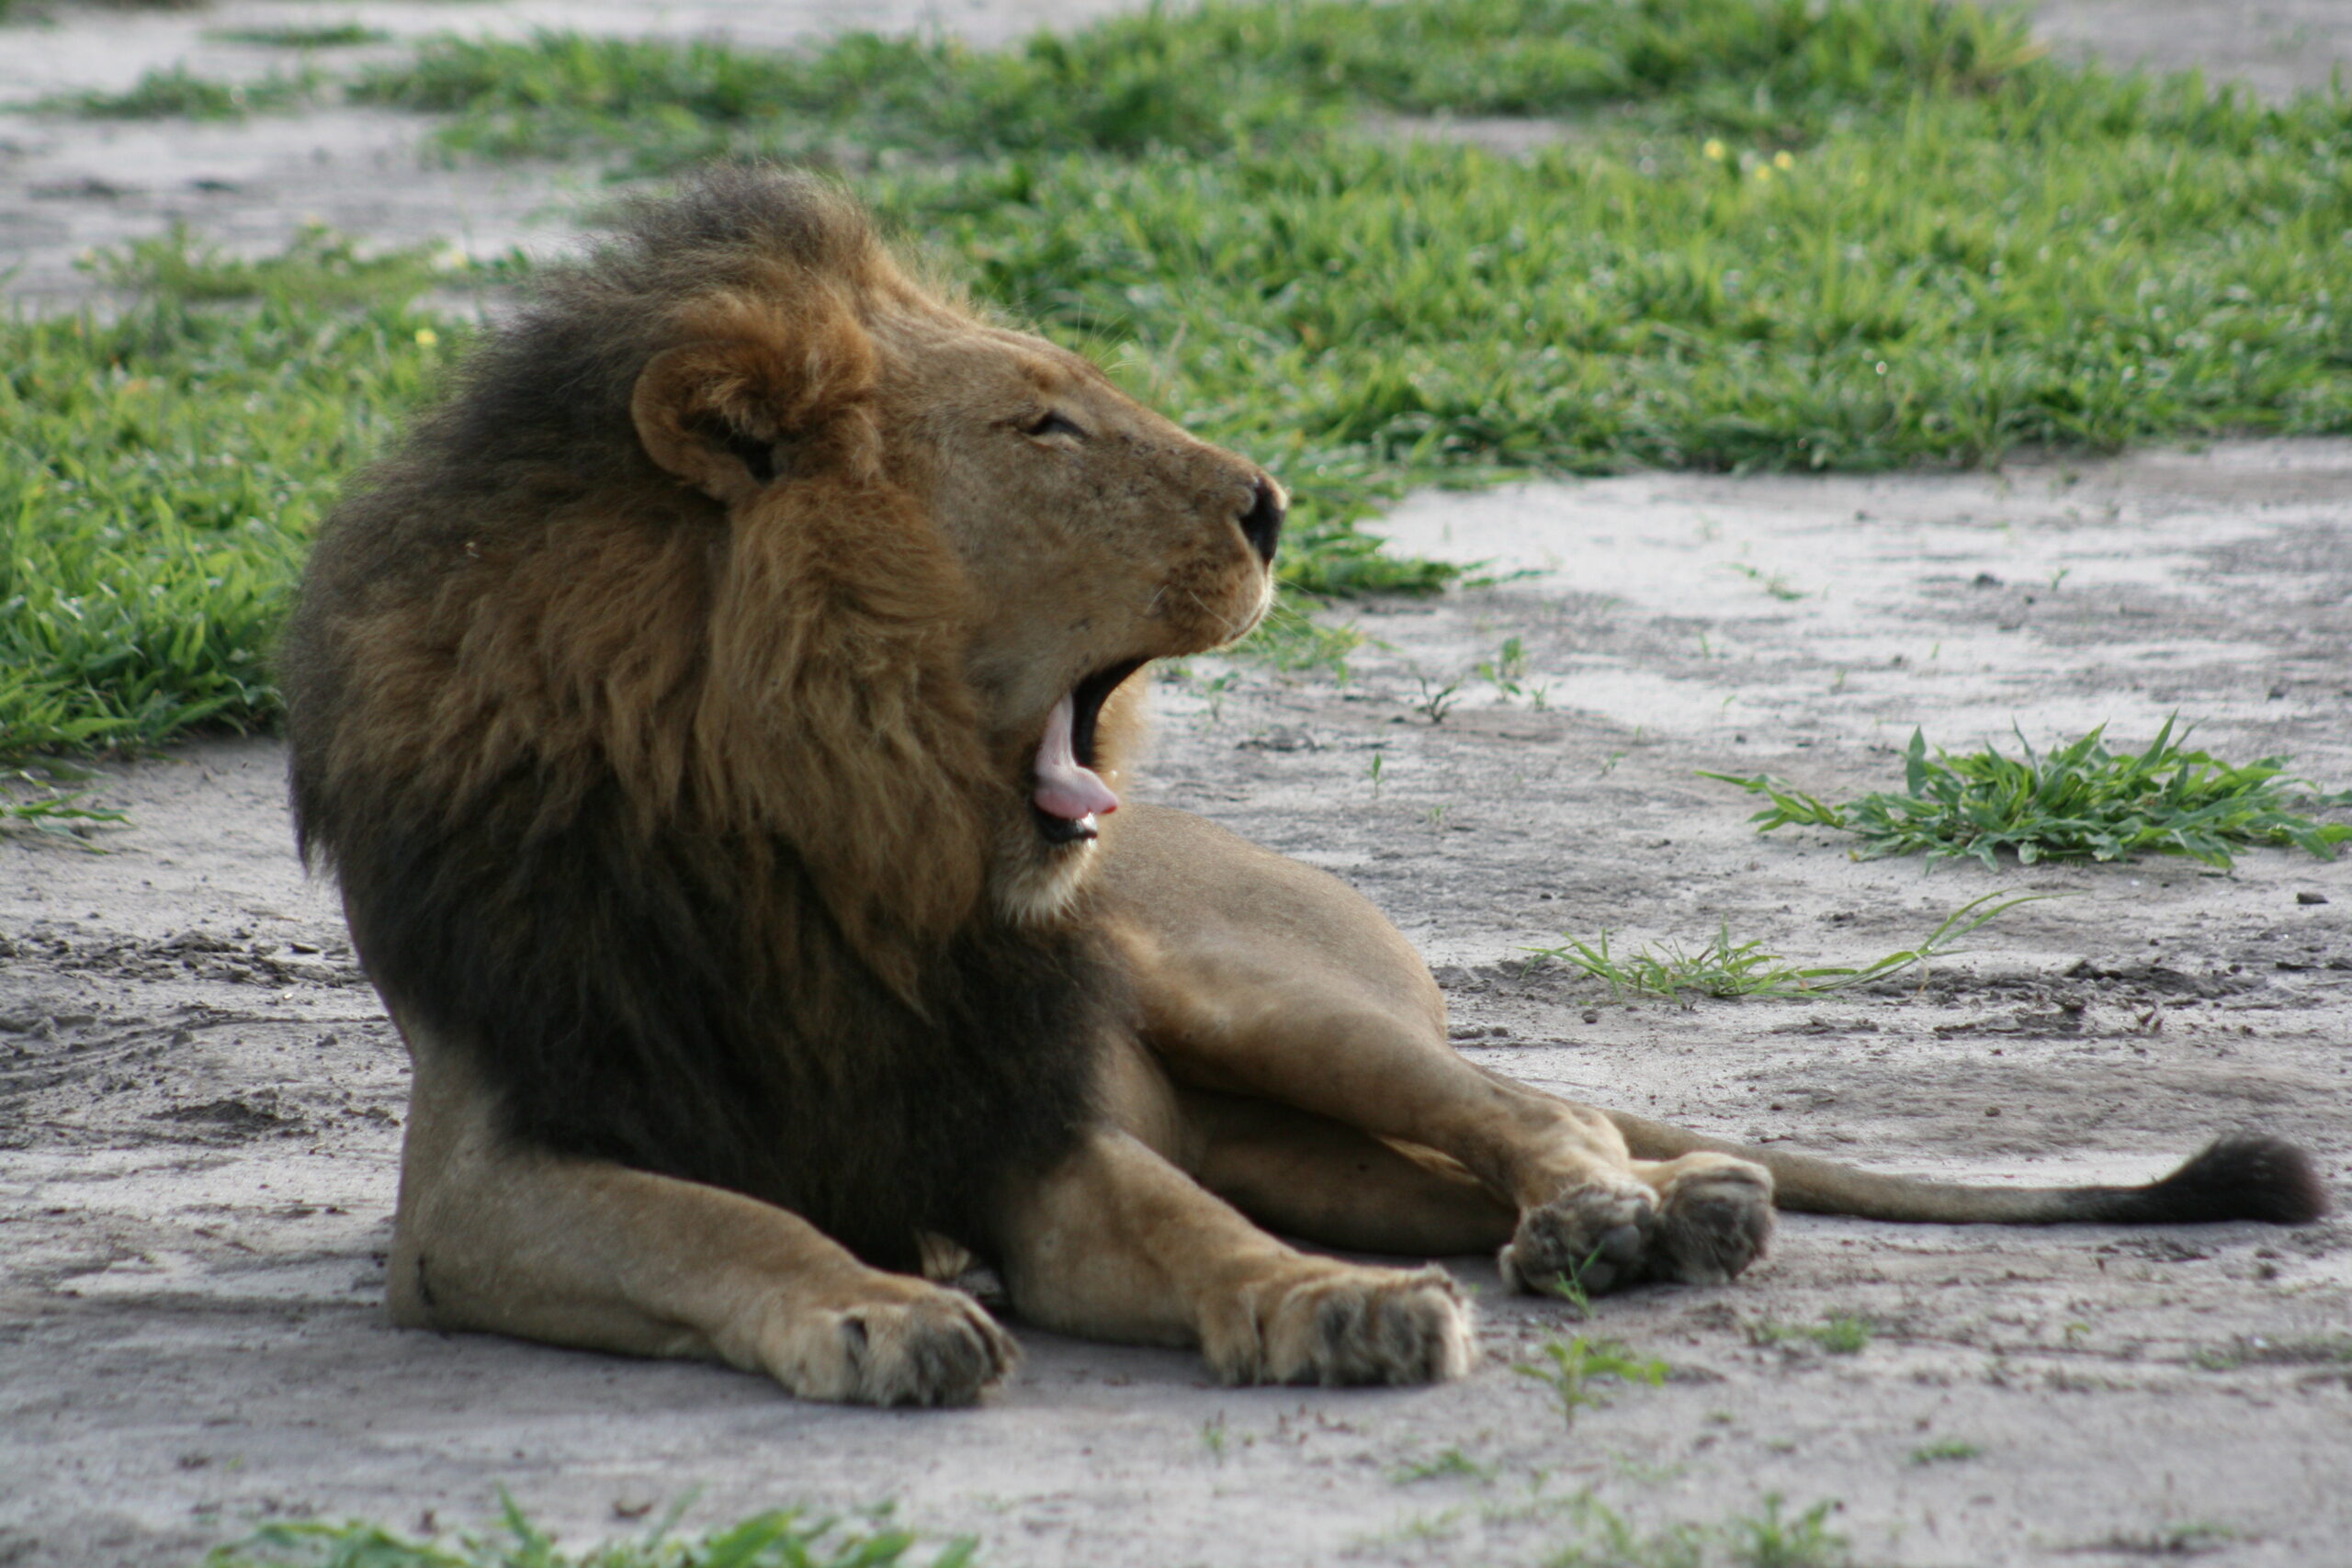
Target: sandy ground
200	1102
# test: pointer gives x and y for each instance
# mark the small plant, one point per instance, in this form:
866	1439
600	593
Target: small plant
1506	673
2260	1350
1214	691
175	91
1768	1539
343	35
1445	1462
1214	1436
1772	582
2079	801
2193	1538
318	266
30	800
1437	701
1569	1287
1945	1451
1842	1335
1725	968
1576	1364
1764	1539
1292	639
1612	1541
784	1538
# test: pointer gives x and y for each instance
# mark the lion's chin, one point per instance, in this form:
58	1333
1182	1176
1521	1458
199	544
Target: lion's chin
1040	888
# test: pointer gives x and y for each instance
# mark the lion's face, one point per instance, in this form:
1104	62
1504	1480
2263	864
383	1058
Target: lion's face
1095	534
1048	530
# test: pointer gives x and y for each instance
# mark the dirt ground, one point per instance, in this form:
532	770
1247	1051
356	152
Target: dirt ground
200	1101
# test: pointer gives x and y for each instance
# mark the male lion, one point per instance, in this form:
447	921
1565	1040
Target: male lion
714	713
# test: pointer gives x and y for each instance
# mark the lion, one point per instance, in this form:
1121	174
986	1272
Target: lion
715	714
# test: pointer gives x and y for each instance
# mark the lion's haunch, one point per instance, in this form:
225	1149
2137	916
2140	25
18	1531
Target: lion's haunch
1067	788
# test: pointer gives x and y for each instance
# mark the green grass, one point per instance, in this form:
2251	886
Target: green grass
1782	234
1767	1538
1772	1540
1570	1368
1200	81
36	799
317	266
2079	801
2257	1350
343	35
1945	1451
1839	1335
781	1539
1727	969
174	92
1445	1463
160	474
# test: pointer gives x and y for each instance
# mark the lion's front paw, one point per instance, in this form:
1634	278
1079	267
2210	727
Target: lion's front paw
1596	1235
1340	1324
932	1347
1714	1219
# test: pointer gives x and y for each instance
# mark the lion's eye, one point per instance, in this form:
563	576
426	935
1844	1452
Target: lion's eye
1053	422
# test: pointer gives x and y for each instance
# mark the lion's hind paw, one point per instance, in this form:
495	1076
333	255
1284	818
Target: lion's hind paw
1351	1324
1715	1217
1593	1237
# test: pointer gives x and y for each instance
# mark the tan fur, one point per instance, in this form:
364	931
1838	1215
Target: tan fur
763	631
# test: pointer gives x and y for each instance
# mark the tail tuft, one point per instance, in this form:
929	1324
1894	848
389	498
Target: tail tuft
2243	1176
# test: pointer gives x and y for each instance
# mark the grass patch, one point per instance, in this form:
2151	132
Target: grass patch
317	266
788	1538
1199	81
1839	1335
36	799
176	93
2079	801
160	474
1446	1462
1724	968
1945	1451
342	35
1768	1538
1849	234
2260	1350
1571	1369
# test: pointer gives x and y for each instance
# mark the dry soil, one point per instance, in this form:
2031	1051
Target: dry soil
201	1100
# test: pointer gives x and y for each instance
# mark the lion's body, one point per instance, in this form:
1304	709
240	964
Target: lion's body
706	715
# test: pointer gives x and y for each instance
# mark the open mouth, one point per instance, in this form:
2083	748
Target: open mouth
1068	795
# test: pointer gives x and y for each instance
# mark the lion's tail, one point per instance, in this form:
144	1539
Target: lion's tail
2243	1176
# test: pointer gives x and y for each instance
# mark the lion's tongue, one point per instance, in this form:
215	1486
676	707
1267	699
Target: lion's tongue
1064	788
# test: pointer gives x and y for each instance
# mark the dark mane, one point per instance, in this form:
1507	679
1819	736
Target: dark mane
567	846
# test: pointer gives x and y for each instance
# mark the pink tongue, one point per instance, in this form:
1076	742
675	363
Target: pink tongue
1065	789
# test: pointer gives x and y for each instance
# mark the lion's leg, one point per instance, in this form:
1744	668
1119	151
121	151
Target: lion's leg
1584	1206
592	1254
1263	978
1323	1182
1118	1244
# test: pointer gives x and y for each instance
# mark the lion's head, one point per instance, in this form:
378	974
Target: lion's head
895	472
743	625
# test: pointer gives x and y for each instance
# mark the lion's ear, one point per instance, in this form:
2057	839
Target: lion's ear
715	412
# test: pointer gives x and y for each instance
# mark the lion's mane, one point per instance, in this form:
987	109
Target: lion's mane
679	824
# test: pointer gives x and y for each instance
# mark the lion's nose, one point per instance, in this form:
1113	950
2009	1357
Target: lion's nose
1261	525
